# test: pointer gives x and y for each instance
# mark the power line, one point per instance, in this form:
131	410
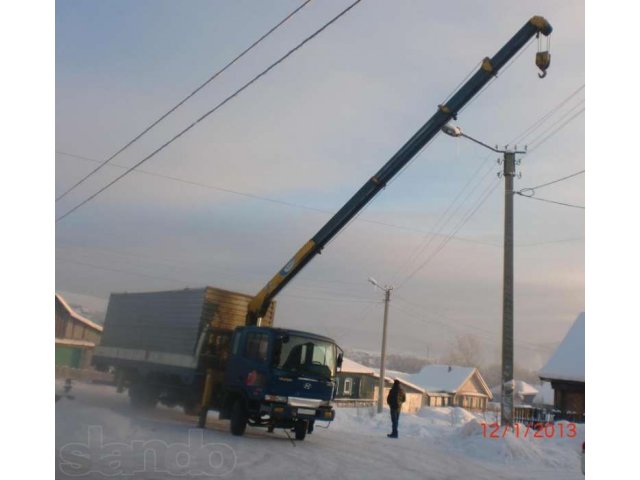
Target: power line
218	106
551	201
443	220
438	226
335	298
538	123
226	273
564	115
451	324
532	191
449	237
263	198
174	108
556	131
537	187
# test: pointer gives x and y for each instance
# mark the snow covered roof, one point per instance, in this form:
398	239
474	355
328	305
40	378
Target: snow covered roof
400	376
520	388
77	316
442	378
349	366
567	362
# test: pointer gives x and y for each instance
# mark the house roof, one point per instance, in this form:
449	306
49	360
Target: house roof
442	378
567	362
77	316
349	366
401	378
446	378
520	387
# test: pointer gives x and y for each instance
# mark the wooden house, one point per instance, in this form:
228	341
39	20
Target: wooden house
358	386
565	371
523	393
355	381
76	336
450	385
414	394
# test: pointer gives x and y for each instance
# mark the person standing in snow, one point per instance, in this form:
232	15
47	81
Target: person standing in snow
395	399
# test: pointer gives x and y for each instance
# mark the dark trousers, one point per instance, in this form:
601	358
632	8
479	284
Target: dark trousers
395	418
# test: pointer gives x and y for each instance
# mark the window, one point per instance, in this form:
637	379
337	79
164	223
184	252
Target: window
257	345
300	354
348	384
236	343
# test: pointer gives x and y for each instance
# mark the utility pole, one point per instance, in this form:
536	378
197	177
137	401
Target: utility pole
506	398
383	352
509	171
506	401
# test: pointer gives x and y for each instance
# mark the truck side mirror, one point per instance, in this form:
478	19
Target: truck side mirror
339	360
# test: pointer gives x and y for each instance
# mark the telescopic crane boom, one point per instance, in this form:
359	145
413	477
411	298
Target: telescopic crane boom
490	67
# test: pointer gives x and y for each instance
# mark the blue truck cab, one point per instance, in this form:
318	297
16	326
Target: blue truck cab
279	378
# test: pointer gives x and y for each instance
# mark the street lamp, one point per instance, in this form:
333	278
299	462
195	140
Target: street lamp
383	354
509	164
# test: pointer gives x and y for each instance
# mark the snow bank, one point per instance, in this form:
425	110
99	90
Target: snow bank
457	430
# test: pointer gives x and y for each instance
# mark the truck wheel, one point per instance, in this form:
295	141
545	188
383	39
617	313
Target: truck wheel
202	417
301	430
310	428
192	409
141	397
238	418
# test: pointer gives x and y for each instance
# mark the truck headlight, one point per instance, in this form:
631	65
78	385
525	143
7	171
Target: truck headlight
276	398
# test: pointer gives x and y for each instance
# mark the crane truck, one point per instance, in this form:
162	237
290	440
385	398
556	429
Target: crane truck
209	349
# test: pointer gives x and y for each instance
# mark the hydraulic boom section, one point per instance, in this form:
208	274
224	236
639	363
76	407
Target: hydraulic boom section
488	69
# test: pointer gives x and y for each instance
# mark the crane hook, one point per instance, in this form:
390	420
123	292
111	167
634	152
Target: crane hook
543	59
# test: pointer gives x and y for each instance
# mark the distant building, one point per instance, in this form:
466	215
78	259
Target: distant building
565	371
414	394
355	381
449	385
76	336
357	385
523	393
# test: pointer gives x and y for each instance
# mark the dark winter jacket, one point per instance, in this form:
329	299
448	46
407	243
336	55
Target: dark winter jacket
396	396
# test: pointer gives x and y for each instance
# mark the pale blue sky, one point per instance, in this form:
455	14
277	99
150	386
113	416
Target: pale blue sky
311	132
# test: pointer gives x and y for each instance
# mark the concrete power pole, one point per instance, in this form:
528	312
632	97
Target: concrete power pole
506	401
509	162
383	353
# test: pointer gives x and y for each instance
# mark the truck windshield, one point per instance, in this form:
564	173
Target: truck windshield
305	355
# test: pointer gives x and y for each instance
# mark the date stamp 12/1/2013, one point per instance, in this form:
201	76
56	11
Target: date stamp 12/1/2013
534	430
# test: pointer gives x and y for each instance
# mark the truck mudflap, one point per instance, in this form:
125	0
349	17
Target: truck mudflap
281	412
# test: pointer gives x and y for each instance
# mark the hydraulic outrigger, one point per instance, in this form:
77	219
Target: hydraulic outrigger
489	68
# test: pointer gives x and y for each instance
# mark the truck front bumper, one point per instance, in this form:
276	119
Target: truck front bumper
283	412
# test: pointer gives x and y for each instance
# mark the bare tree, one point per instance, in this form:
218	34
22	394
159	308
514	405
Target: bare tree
465	351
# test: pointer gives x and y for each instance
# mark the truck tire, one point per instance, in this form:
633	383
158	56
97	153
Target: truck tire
301	429
238	418
192	409
141	397
202	417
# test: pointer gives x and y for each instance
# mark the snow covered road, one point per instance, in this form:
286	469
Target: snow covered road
99	436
